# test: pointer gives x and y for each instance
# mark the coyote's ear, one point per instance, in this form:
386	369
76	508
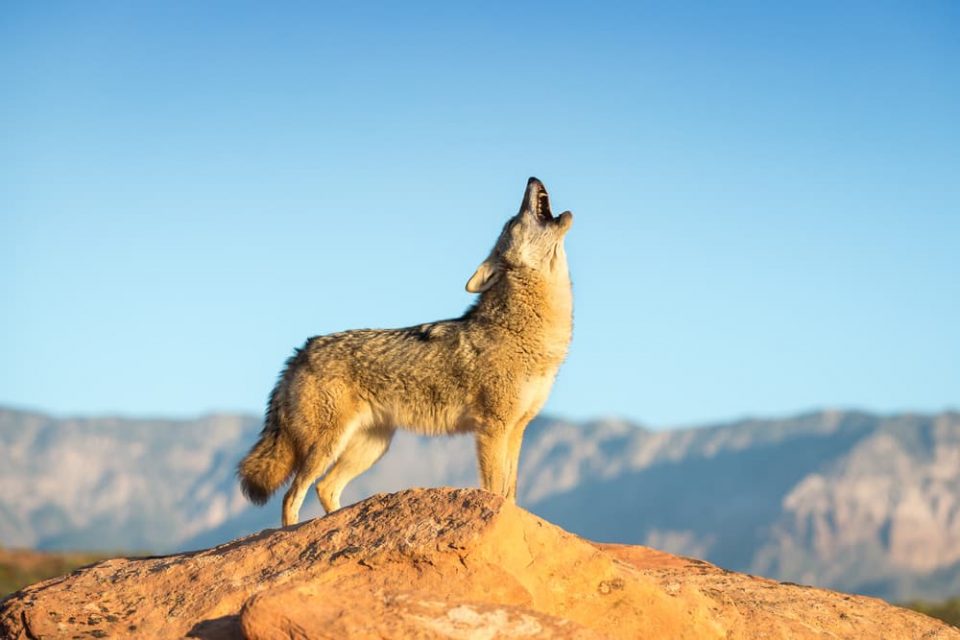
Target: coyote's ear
486	274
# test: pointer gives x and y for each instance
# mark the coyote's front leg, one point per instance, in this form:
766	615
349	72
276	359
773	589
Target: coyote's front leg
492	444
514	442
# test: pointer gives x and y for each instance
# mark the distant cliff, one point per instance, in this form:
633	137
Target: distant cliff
846	500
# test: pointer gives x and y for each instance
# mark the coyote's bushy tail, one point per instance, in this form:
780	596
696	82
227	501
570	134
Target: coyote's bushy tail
270	461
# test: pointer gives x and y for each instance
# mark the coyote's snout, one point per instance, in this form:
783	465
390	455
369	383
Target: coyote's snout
341	396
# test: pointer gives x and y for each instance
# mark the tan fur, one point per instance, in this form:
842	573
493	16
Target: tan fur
341	397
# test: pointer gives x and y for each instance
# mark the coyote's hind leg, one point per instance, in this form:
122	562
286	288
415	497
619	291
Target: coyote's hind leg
364	448
298	489
329	437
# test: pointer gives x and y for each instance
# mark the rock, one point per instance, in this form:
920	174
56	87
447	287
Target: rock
439	563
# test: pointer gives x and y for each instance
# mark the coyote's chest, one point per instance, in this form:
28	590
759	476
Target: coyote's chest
551	349
534	392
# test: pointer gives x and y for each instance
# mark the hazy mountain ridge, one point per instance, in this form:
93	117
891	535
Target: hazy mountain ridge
112	483
842	499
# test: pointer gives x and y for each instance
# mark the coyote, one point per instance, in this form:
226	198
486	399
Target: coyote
340	398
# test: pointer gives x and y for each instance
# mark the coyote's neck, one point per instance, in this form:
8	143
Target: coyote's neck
535	307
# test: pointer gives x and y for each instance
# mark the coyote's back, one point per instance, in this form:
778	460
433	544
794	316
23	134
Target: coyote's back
340	398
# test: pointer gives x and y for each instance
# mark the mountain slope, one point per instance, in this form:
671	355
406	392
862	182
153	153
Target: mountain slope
846	500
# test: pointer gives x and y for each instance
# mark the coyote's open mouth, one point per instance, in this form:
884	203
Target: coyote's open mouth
539	200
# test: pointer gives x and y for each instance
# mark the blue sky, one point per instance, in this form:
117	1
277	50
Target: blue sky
767	198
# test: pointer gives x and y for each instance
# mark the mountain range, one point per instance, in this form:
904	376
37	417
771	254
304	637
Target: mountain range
842	499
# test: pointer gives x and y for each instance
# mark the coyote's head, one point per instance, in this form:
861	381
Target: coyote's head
533	239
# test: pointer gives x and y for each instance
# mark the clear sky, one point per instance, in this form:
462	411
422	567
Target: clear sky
767	198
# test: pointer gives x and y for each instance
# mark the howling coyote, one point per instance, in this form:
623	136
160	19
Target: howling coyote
341	397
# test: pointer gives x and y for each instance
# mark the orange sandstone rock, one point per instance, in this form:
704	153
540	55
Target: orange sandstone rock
439	563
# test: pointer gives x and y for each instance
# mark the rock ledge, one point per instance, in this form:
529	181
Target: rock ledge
438	563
